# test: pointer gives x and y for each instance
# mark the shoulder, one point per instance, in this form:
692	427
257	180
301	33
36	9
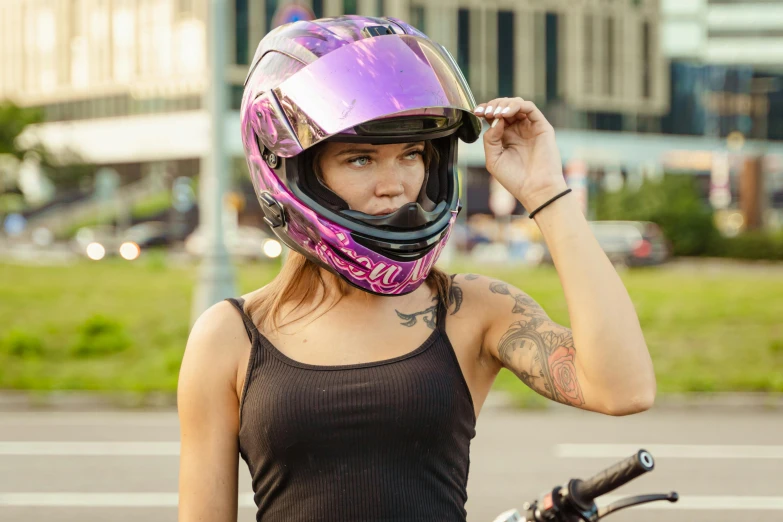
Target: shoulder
489	305
484	295
467	294
476	304
221	323
216	345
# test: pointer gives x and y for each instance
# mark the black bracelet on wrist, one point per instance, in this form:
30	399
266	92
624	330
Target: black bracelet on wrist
536	211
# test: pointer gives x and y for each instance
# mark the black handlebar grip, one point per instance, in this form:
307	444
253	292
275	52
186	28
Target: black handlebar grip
612	478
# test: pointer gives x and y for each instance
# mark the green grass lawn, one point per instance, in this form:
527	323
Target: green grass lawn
114	325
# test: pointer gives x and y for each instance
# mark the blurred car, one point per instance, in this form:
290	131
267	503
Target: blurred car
629	243
244	242
153	234
103	241
149	234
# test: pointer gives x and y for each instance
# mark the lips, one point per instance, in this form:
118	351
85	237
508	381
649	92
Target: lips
385	212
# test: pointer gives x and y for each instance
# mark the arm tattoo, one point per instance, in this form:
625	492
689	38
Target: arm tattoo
471	277
544	360
428	315
523	304
549	358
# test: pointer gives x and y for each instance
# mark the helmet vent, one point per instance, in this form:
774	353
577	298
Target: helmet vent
377	30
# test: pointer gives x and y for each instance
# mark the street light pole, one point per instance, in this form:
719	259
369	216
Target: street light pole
216	275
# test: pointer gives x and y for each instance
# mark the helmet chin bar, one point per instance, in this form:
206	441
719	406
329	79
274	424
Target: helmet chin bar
409	251
407	216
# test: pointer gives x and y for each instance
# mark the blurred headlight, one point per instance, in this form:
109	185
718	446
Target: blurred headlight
95	251
130	250
272	248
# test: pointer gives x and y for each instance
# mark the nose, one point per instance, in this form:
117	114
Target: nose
388	182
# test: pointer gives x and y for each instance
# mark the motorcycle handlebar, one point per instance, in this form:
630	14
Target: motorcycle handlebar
584	492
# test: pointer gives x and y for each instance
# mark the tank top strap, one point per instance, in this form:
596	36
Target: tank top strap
250	328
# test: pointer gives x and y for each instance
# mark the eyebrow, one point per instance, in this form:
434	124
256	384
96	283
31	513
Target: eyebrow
346	152
366	150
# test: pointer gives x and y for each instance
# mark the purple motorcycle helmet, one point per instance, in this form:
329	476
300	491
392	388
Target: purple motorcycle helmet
355	79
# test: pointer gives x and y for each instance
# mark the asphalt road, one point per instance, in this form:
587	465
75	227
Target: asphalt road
122	466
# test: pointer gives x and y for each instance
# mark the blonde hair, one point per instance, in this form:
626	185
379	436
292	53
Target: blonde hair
302	281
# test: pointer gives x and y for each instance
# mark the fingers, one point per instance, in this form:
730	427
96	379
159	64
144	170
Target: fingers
495	111
492	109
493	138
511	110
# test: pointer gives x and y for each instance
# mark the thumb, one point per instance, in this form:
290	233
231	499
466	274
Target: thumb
493	141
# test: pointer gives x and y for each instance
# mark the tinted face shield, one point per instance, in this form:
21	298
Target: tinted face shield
403	128
371	80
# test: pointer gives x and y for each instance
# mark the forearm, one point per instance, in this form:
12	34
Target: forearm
611	351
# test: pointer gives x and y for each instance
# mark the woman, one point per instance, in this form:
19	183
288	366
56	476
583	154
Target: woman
349	387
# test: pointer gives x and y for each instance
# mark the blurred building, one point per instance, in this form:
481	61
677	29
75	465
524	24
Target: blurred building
726	68
727	87
89	62
736	32
121	81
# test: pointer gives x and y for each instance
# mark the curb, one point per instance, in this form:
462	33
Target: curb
77	401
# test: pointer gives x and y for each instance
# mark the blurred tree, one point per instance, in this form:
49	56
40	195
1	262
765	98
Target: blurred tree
66	169
13	121
674	203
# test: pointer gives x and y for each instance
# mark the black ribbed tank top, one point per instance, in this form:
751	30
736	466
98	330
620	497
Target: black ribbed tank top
381	441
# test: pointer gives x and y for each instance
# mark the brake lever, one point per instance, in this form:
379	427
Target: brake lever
515	516
635	501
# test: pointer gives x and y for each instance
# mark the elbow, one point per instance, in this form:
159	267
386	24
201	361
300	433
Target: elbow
637	402
636	396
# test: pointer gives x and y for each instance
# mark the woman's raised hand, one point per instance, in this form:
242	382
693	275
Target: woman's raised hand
521	150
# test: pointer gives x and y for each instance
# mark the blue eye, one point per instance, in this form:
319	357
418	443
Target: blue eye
363	159
414	153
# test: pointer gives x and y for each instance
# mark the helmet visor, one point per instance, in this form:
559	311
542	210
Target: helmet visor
373	79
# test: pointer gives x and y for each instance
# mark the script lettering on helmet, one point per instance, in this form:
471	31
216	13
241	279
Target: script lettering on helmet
362	260
424	265
420	270
417	270
355	271
389	273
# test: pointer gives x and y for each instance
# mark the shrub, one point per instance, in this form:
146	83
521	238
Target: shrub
18	343
749	245
100	336
674	204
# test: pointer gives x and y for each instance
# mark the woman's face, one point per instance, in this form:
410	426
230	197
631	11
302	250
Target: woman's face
374	179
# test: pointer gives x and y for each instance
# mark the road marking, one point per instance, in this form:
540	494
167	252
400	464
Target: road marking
169	500
677	451
154	500
102	449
